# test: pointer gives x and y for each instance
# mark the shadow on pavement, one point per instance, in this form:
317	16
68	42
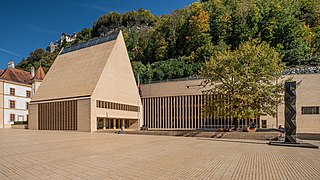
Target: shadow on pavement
233	141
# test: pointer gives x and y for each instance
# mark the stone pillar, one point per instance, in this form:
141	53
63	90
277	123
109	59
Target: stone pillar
122	123
290	112
114	124
104	123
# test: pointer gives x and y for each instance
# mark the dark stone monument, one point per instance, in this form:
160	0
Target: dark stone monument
290	112
290	120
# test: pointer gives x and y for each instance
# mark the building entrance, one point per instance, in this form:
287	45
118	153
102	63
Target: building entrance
109	123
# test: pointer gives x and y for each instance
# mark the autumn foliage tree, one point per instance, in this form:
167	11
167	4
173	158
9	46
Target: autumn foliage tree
198	38
245	82
189	36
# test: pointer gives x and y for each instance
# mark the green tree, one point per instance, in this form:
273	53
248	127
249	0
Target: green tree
37	57
244	82
84	35
198	33
106	23
114	21
138	68
178	43
148	75
33	59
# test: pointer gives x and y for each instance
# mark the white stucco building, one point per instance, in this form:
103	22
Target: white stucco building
15	94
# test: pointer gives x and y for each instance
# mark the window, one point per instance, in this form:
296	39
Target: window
116	106
12	91
310	110
20	118
98	104
28	94
264	123
12	104
27	105
12	117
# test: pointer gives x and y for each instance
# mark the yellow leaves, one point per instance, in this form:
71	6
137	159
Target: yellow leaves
278	7
215	3
307	33
162	49
247	77
225	18
257	17
200	22
125	35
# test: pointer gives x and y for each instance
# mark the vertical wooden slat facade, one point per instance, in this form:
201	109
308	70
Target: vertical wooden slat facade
186	112
58	115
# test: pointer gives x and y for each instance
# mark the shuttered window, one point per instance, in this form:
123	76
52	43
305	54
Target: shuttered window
310	110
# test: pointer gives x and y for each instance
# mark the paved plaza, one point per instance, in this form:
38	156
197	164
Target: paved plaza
27	154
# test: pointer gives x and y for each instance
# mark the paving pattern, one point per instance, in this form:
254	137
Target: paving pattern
74	155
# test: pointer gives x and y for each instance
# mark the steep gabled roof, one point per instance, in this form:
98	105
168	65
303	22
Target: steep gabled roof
1	71
39	74
90	43
16	75
76	71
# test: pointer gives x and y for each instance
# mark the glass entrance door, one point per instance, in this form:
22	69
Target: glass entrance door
109	123
100	123
116	123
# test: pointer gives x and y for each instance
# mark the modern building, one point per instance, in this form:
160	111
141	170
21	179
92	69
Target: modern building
15	94
178	105
90	86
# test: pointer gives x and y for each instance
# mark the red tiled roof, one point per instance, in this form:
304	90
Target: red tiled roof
39	74
16	75
1	71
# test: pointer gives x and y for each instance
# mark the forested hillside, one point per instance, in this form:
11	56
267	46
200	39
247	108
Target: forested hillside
177	44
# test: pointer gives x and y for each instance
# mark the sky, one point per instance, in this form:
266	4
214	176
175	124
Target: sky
27	25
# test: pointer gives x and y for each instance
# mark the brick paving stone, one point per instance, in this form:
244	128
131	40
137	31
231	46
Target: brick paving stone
27	154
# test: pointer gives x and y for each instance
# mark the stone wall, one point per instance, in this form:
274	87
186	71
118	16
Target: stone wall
305	70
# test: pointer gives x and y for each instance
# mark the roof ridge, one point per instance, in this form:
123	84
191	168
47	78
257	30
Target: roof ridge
76	74
40	74
16	75
3	73
92	42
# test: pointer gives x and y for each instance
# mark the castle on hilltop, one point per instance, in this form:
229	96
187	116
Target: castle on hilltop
63	38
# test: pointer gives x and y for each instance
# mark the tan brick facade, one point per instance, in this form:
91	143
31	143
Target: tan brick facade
33	116
101	80
84	115
176	105
100	72
308	94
